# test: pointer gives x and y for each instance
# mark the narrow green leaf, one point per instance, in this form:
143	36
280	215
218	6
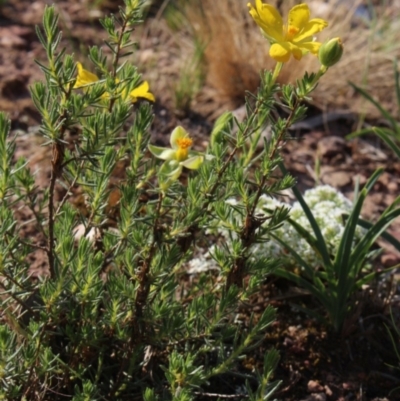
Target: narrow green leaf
318	234
312	241
397	83
385	113
346	268
346	242
301	282
388	140
341	262
372	235
374	177
385	235
307	268
370	276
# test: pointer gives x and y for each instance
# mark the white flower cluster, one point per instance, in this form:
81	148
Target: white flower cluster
201	264
328	207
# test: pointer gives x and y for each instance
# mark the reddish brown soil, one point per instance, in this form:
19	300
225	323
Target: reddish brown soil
315	364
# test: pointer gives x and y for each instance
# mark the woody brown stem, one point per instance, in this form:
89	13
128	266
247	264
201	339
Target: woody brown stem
252	223
56	170
142	294
143	276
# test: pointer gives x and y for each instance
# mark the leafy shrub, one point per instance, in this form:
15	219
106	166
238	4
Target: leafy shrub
114	315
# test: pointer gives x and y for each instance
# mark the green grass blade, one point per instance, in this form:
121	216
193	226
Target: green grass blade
356	191
388	140
372	235
385	134
385	235
370	276
372	180
397	83
312	241
393	205
385	113
360	132
307	268
346	243
314	225
301	282
341	261
317	289
345	267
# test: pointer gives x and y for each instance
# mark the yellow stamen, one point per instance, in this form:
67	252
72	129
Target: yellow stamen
184	143
182	152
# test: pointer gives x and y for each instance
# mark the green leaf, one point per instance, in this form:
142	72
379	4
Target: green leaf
397	83
222	125
345	263
311	241
372	235
385	235
386	135
386	114
314	225
301	282
308	269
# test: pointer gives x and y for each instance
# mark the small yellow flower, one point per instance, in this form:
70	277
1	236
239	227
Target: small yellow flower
142	91
295	38
85	78
178	156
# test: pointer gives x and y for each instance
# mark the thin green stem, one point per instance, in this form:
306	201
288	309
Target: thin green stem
277	71
117	55
272	156
323	69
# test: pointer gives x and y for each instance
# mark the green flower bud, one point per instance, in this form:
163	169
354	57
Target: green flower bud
330	52
223	124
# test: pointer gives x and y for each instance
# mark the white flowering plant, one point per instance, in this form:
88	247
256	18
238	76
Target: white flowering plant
324	246
390	135
329	206
341	271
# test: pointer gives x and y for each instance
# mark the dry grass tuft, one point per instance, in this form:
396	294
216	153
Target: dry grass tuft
236	51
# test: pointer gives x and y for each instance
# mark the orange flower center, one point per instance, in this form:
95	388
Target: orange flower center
292	31
184	143
182	152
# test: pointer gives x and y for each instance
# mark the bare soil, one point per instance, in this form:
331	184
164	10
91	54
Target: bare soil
316	364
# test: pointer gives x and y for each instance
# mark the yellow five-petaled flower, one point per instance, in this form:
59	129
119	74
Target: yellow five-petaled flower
85	77
178	156
295	38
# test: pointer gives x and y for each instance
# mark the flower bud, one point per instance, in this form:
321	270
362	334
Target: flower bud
131	6
223	123
330	52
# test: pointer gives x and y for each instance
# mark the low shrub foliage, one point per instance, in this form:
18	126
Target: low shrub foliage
118	314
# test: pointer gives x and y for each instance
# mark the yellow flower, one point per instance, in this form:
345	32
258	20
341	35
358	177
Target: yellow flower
178	156
295	38
142	91
85	78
